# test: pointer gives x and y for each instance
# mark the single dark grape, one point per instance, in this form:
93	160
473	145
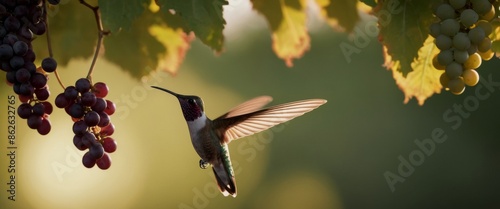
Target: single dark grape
20	48
104	119
104	162
39	28
96	150
79	127
88	139
88	161
48	107
44	127
91	118
6	52
110	107
26	89
88	99
70	93
109	144
49	64
16	62
61	101
76	110
42	94
38	80
12	24
77	141
24	110
83	85
108	130
38	109
100	90
100	105
30	66
10	39
25	99
23	75
34	121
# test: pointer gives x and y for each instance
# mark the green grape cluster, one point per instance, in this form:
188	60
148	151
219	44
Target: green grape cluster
462	36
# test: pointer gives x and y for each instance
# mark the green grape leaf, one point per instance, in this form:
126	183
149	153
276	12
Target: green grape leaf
423	81
287	20
72	35
140	45
151	46
204	18
117	14
404	25
343	13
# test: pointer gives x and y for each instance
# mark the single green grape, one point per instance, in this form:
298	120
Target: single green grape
471	77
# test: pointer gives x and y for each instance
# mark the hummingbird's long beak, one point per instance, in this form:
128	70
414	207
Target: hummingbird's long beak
166	90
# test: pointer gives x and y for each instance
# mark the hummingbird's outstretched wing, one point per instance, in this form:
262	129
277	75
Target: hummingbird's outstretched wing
247	107
247	124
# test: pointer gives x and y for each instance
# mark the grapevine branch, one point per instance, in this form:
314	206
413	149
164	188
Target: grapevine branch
101	33
49	43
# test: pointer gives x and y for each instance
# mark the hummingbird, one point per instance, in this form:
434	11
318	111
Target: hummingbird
210	138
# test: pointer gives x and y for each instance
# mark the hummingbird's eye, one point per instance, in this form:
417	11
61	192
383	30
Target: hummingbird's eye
191	101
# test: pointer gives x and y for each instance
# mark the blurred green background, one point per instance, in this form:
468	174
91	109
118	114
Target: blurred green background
333	157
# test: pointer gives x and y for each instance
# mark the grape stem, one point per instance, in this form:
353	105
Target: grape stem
49	43
101	33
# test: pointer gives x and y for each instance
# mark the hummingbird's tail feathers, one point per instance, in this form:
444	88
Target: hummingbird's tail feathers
251	123
225	181
249	106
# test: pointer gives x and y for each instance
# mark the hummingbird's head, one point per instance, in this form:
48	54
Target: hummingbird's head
192	106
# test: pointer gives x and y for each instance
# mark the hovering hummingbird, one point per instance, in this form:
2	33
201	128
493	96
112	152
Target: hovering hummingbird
211	137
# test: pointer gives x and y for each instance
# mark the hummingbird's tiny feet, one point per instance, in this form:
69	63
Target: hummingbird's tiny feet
203	164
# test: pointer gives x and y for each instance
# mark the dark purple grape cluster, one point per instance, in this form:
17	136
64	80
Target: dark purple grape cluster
92	127
20	21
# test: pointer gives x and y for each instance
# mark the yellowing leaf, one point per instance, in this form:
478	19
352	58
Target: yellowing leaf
340	14
177	43
287	20
404	25
495	36
423	81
